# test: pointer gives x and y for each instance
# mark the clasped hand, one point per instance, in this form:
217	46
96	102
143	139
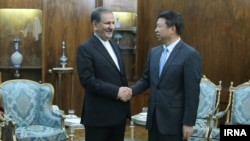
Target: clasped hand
124	94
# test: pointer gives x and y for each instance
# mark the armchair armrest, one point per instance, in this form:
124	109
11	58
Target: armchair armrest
52	119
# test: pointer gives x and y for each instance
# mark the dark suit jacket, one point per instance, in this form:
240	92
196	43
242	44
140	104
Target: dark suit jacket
101	80
174	97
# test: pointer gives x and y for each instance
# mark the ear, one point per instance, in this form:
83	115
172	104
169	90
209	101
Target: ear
173	28
94	24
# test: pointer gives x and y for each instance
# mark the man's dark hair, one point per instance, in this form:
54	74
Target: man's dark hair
96	14
173	19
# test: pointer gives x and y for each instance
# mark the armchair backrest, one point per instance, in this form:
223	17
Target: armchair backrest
209	97
26	101
239	113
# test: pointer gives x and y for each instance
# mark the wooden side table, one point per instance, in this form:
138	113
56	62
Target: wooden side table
60	71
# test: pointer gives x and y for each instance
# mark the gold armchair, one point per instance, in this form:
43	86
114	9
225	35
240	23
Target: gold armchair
237	110
29	105
208	105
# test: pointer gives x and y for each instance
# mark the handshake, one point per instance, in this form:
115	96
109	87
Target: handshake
124	94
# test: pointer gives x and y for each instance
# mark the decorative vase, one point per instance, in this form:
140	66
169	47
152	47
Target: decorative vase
117	24
16	57
63	59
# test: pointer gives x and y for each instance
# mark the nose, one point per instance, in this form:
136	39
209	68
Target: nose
156	30
112	26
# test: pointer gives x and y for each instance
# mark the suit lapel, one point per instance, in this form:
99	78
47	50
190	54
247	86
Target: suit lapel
157	58
100	47
171	58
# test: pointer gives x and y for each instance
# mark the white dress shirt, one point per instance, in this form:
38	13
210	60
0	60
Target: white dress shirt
110	50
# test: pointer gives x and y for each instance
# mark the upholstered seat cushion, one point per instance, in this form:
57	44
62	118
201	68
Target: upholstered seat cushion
199	131
215	134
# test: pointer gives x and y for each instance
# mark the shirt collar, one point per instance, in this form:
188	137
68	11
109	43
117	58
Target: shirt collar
172	45
103	42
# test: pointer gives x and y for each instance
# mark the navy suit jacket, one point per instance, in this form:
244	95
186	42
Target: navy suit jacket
174	96
101	80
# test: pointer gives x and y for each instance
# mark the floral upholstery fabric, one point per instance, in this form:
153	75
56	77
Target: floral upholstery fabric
240	109
208	95
28	104
240	113
199	131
